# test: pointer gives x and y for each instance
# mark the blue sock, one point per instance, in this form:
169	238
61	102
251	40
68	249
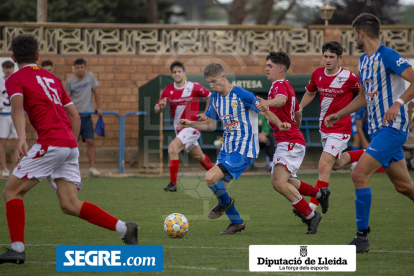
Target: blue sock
220	191
233	215
363	207
354	148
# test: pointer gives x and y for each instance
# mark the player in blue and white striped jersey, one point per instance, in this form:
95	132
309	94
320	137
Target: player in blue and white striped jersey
382	75
236	108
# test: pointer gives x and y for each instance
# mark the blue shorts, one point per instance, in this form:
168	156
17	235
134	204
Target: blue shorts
386	145
86	129
235	164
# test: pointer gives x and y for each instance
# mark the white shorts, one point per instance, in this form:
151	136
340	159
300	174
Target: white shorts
189	137
290	155
51	163
7	129
334	143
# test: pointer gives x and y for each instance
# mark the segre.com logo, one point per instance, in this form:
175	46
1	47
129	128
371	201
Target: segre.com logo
109	258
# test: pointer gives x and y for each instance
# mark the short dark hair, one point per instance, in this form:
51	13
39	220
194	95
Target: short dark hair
7	64
46	63
332	46
80	61
24	48
368	23
279	58
175	64
213	69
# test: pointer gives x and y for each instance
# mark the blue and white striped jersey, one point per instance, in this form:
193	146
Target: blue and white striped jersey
239	114
380	74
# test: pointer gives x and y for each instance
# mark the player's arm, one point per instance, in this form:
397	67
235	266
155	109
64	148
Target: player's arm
307	98
408	95
97	100
19	121
208	125
358	103
275	120
74	119
278	101
162	102
298	118
203	116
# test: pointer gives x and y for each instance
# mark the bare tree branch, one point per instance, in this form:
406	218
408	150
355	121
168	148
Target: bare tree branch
266	9
285	12
225	7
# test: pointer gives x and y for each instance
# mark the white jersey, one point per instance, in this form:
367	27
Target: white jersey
5	105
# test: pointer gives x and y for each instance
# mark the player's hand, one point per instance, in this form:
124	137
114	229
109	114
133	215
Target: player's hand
99	112
162	103
411	127
284	126
183	123
391	114
263	105
262	137
22	150
331	120
202	117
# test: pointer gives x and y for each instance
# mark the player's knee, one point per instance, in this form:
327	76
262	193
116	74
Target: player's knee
172	149
402	188
357	176
199	158
210	178
68	208
336	165
89	143
277	186
323	168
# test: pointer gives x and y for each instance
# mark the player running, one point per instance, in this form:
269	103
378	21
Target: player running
236	108
291	145
382	74
336	88
55	154
182	96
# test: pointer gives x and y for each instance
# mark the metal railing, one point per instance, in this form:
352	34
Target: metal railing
121	146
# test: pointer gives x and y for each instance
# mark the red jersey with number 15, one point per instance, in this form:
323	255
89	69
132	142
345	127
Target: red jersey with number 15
286	113
44	101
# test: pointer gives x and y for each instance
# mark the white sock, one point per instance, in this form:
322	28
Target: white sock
313	206
121	228
311	215
17	246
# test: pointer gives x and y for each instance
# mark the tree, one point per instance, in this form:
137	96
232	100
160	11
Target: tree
92	11
387	11
240	9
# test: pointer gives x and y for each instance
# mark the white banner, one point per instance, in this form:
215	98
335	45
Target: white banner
302	258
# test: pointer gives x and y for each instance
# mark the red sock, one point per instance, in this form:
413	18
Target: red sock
355	155
303	207
15	219
95	215
307	189
206	163
319	184
174	164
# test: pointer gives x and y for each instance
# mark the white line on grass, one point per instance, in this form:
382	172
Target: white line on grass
219	248
225	269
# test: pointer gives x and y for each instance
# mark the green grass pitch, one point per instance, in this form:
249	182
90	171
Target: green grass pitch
268	216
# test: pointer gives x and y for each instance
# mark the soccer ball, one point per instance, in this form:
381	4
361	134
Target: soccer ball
176	225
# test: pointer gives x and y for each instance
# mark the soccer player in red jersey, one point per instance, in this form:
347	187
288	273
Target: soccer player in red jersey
291	145
336	87
182	96
55	154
